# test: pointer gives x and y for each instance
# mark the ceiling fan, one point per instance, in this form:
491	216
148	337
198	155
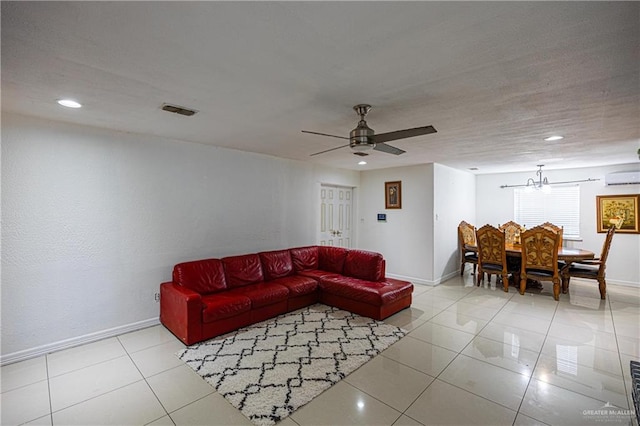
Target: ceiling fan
363	138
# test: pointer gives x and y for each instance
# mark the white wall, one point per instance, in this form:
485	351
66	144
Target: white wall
94	220
495	205
454	201
405	239
419	241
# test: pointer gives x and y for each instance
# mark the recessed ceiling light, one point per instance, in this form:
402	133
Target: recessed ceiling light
69	103
554	138
362	163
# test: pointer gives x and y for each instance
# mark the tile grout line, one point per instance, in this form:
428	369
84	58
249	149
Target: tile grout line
517	411
455	357
102	394
46	366
166	413
536	364
624	379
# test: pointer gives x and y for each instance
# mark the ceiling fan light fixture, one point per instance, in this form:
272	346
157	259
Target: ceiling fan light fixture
359	147
554	138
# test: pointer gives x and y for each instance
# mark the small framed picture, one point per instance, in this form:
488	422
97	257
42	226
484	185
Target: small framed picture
393	195
620	211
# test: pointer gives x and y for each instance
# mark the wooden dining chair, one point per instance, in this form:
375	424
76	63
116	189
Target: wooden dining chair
492	255
511	230
593	269
467	236
556	228
540	258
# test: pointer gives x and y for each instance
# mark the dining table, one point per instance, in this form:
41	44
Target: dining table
565	254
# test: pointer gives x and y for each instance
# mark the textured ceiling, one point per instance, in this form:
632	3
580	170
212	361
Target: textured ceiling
493	78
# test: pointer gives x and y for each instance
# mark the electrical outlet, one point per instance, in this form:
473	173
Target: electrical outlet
156	297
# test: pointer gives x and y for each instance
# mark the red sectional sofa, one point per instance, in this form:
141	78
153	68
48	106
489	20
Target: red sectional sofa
210	297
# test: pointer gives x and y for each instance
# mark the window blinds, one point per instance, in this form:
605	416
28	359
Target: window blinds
561	207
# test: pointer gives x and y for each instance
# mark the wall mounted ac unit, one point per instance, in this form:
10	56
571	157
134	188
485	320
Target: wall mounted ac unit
623	178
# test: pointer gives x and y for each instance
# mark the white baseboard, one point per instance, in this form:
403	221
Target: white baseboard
76	341
623	283
423	281
447	277
411	279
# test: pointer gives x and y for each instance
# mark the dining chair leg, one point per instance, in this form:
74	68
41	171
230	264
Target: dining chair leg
565	284
556	289
602	286
523	283
505	283
564	275
462	269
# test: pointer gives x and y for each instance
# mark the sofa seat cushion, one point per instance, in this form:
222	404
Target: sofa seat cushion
261	294
316	274
375	293
298	285
216	307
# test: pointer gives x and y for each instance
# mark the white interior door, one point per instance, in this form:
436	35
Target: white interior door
336	215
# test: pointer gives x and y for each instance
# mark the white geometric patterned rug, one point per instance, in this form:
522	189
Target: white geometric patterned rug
270	369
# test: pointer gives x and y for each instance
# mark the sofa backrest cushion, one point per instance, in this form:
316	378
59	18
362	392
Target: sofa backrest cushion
276	264
365	265
331	259
202	276
304	258
242	270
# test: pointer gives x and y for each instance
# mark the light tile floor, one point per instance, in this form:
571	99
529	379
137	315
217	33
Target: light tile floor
473	355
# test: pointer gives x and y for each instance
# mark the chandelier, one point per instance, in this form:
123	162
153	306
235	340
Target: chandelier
541	183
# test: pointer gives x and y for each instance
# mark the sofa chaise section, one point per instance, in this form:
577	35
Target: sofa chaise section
363	289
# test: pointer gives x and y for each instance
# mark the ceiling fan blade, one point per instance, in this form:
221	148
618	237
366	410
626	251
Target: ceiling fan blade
324	134
327	150
388	149
403	134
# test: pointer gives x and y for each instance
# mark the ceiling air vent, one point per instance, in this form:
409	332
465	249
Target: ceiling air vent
178	110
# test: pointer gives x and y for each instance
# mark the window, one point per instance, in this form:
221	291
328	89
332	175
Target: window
561	207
